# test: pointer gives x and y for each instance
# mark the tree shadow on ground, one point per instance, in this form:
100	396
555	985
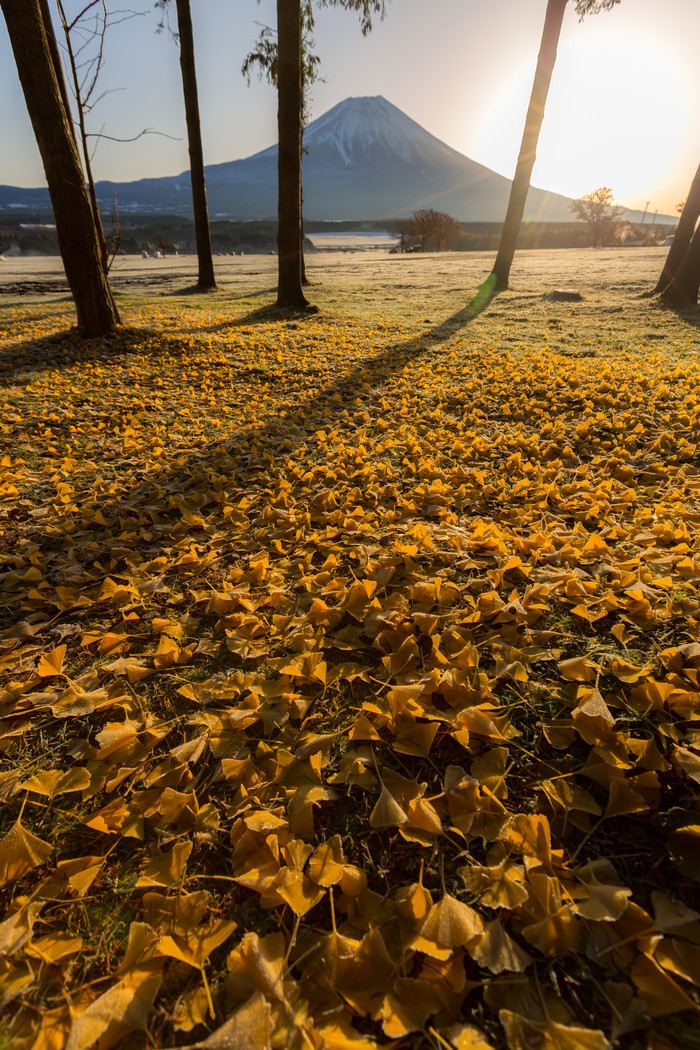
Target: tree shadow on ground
232	454
70	348
222	293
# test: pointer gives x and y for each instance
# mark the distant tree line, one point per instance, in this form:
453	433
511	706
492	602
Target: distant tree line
166	233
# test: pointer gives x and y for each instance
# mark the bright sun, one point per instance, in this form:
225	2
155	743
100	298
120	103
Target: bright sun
616	116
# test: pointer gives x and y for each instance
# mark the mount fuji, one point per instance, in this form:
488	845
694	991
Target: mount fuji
364	159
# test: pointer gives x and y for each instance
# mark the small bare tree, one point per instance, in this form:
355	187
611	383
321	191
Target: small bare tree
404	232
431	227
84	44
602	215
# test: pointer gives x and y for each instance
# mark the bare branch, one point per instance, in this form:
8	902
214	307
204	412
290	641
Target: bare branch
146	131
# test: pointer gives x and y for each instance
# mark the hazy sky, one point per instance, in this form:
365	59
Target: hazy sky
623	109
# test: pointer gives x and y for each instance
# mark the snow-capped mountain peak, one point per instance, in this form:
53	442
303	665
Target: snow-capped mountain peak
358	127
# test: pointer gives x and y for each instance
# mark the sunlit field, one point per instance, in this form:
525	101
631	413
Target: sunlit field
351	661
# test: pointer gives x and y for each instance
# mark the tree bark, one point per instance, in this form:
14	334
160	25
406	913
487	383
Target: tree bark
289	123
682	237
75	226
528	148
683	288
206	280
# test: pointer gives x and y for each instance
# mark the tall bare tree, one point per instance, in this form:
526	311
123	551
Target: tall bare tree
684	287
290	104
83	89
206	280
533	123
682	237
84	46
293	18
264	58
35	53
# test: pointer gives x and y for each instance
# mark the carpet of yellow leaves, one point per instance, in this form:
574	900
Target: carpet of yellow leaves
351	684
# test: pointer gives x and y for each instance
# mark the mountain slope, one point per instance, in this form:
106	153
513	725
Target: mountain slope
365	159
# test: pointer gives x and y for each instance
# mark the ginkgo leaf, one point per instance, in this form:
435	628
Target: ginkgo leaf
250	1026
658	991
340	1035
497	952
451	923
257	964
407	1009
678	957
466	1037
578	669
549	1035
80	872
327	864
570	797
54	946
17	928
671	916
629	1013
167	869
387	813
20	852
192	1009
196	945
52	663
55	782
498	886
14	980
297	890
123	1008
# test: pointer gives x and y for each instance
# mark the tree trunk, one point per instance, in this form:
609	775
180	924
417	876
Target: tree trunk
528	148
55	56
682	236
683	289
206	280
289	123
75	226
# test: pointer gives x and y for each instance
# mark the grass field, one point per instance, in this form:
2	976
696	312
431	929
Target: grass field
351	662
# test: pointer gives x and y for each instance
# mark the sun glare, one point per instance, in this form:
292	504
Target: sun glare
616	116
